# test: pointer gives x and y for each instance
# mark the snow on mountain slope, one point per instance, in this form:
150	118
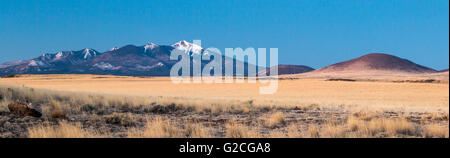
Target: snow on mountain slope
150	46
188	47
89	53
113	48
13	63
106	66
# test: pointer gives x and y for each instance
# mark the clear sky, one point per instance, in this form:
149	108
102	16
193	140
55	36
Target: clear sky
316	33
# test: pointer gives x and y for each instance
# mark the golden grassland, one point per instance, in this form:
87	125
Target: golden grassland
116	106
290	92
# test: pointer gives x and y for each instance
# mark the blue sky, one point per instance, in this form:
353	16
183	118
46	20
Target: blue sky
316	33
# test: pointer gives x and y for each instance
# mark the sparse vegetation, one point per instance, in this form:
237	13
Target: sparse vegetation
158	128
120	119
274	119
58	114
85	114
62	130
164	128
56	110
435	131
197	130
238	130
313	132
435	116
365	115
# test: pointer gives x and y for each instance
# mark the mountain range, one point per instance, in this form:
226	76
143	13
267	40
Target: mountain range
147	60
154	60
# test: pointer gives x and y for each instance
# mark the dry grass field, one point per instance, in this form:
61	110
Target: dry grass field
116	106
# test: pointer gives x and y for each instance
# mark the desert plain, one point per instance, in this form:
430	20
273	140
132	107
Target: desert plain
120	106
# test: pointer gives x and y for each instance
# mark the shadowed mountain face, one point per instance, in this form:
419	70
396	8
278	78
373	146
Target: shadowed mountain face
377	62
130	60
288	69
49	63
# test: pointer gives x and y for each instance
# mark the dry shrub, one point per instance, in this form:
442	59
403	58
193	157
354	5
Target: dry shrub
197	130
381	127
400	126
358	127
58	113
435	116
246	109
365	115
277	134
313	131
62	130
158	128
3	106
4	103
216	109
293	131
333	131
307	107
435	131
355	127
274	119
355	124
393	127
377	126
237	130
56	109
120	119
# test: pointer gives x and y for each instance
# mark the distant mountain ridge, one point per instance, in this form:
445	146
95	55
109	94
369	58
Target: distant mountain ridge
288	69
48	62
147	60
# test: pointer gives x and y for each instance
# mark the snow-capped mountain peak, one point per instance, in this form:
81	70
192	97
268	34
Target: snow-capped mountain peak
181	43
87	50
59	55
46	56
186	46
150	46
113	49
89	53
